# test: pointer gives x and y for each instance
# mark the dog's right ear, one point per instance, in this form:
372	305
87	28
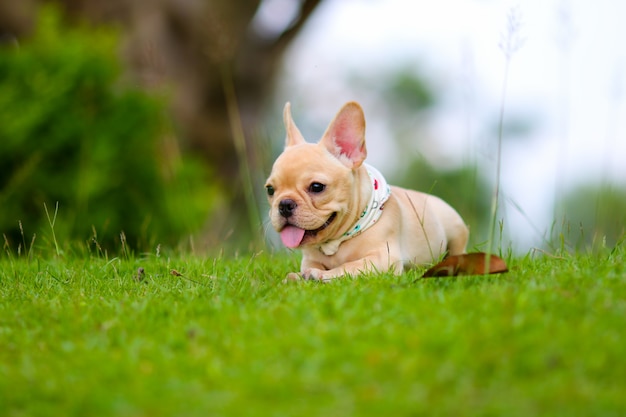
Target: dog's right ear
294	137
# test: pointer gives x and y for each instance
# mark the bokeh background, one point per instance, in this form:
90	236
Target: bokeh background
147	123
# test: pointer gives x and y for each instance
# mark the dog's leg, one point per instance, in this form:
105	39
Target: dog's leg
457	243
378	262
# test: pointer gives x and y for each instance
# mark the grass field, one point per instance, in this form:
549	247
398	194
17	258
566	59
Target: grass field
84	336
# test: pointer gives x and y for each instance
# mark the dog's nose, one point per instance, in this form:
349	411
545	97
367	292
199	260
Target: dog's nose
286	207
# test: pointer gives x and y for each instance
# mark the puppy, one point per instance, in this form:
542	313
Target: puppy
342	213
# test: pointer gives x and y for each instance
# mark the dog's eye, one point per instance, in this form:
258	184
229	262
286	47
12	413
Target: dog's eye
270	190
316	187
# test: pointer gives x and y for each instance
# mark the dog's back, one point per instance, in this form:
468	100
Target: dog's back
430	227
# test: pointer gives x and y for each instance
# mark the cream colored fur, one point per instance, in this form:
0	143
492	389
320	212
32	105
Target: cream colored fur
414	229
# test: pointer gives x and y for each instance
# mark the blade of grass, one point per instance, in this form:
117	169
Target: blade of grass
509	44
52	222
242	151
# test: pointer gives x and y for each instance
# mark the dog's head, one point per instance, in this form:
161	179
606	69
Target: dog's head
314	189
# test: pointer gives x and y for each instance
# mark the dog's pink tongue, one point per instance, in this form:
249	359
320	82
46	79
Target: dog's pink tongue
291	236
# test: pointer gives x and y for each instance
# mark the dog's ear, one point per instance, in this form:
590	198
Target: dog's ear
294	137
345	136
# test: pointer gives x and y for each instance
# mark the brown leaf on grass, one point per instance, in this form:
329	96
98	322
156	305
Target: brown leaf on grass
467	264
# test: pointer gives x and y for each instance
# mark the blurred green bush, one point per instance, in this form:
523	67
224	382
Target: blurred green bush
72	133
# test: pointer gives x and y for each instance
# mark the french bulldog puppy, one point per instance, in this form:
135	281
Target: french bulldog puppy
342	213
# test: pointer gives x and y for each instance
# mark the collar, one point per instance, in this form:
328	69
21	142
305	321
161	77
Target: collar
370	215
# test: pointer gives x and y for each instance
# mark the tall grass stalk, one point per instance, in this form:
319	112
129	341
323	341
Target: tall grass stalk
52	222
241	148
565	37
509	44
27	250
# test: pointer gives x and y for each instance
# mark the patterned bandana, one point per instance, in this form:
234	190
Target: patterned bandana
370	215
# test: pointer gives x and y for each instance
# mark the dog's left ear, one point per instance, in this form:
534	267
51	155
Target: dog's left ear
345	136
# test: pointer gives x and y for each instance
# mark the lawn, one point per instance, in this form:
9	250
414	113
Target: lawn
90	336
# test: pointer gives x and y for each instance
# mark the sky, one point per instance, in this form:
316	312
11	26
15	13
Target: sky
568	77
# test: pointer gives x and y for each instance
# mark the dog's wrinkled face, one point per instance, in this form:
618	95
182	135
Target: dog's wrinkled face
309	195
312	187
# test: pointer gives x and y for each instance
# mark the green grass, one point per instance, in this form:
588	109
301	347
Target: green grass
82	336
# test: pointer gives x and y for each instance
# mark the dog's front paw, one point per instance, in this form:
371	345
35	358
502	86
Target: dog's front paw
291	277
317	275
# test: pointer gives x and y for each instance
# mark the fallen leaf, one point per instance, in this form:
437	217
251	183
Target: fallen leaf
467	264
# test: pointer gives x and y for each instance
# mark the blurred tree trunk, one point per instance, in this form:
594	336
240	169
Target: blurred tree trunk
195	49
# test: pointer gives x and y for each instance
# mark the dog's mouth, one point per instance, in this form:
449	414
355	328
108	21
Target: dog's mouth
293	236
